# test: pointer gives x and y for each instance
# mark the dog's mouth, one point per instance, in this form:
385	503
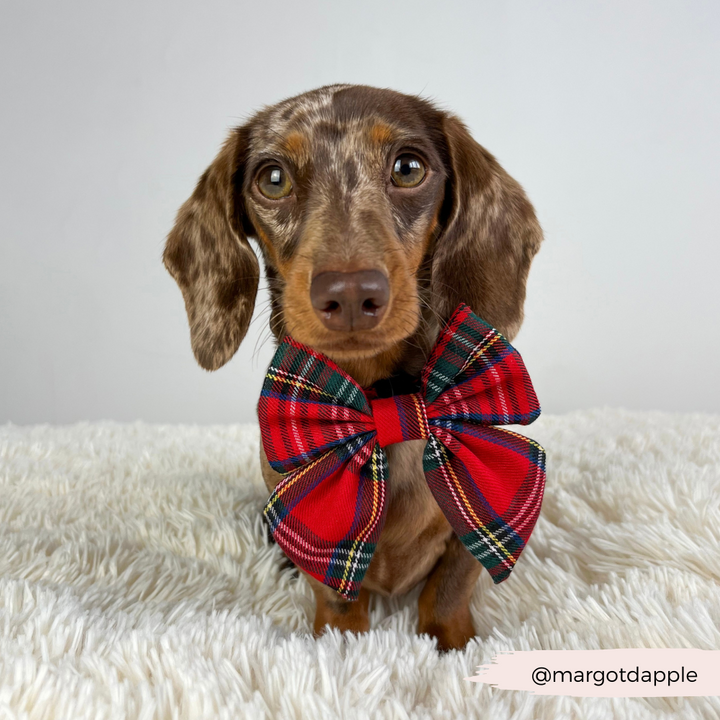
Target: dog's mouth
389	327
353	346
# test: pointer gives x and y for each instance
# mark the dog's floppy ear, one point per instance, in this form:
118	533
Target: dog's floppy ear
490	236
208	254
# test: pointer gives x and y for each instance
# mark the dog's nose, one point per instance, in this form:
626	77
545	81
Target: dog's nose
350	300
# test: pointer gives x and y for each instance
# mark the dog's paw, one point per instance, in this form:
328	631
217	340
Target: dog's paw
450	635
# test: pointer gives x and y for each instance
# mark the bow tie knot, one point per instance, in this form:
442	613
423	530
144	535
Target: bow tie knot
400	418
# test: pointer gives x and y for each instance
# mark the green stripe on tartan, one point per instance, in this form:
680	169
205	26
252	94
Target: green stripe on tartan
491	544
359	562
344	391
432	455
504	574
466	338
275	511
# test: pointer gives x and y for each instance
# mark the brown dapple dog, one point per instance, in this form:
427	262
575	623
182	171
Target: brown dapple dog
376	214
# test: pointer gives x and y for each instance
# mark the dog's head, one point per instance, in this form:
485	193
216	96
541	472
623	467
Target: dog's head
376	214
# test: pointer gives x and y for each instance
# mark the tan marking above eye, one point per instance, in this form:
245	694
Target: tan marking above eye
273	182
380	133
296	146
408	171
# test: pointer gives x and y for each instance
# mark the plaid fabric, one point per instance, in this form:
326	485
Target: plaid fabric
325	435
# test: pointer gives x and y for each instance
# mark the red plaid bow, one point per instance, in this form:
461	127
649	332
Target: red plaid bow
326	436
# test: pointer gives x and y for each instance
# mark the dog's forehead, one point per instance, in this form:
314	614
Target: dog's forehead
339	120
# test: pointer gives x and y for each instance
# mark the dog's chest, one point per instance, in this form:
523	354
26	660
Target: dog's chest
415	533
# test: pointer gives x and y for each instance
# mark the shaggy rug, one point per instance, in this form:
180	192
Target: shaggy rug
137	581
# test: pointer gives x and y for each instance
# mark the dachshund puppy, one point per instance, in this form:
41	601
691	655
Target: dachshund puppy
376	214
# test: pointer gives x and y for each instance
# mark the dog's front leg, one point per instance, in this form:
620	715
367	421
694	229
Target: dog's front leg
444	604
335	611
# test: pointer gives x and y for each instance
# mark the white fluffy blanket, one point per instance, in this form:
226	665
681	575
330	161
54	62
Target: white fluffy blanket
136	579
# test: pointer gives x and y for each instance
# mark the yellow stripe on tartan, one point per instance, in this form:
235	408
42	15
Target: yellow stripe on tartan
298	382
293	477
480	350
422	422
523	437
374	510
469	507
274	497
347	566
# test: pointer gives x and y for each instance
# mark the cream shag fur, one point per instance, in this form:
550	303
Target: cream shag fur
136	579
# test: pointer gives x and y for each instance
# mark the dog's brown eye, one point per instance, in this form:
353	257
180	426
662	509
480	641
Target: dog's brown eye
408	171
273	182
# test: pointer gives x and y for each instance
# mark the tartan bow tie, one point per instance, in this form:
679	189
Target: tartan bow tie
326	436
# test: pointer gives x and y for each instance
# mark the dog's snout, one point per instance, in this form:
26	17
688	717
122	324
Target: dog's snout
348	301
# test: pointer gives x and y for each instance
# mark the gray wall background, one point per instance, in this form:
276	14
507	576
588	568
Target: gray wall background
607	112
